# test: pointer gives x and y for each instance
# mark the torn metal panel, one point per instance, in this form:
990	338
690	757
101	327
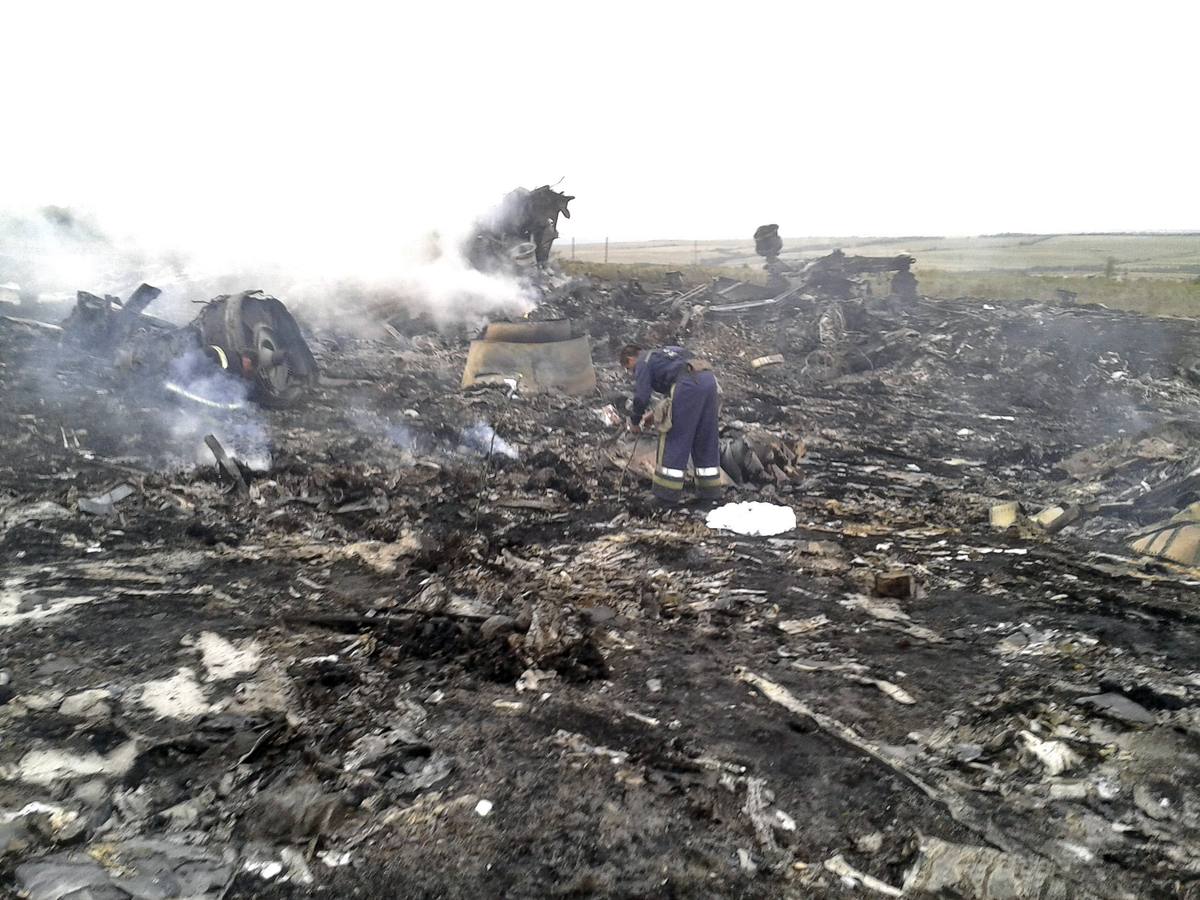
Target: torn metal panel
1177	540
102	324
541	356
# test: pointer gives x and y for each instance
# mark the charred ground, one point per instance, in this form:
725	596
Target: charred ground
391	628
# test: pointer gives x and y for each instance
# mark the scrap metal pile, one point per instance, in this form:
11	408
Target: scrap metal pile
433	640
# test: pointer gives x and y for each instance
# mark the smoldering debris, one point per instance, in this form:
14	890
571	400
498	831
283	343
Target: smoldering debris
520	231
481	438
249	335
435	602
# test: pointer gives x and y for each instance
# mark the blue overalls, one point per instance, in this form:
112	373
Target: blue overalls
690	428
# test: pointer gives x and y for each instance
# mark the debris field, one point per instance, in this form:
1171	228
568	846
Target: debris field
412	639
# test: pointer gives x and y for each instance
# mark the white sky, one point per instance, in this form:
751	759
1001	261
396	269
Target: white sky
269	126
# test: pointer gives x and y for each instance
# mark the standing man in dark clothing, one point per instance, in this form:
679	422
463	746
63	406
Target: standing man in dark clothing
688	424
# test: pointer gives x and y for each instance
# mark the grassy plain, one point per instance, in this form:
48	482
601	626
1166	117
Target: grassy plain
1154	273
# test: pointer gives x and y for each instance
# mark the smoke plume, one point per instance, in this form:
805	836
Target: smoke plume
330	272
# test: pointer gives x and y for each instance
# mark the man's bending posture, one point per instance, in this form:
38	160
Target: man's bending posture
688	424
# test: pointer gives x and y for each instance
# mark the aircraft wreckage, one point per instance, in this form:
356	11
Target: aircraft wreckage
441	645
250	335
520	231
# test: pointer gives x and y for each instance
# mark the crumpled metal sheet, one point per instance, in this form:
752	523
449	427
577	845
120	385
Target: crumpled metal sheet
540	356
1178	539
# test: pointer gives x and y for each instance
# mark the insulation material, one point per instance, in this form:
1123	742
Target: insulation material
752	518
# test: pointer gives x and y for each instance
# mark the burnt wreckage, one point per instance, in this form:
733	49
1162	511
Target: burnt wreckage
834	276
439	646
520	231
250	335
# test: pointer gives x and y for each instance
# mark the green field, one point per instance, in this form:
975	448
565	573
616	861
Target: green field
1156	273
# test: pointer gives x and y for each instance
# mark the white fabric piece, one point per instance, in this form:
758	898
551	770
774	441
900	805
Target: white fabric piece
752	518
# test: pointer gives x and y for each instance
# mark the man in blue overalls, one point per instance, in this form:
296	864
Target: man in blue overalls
688	424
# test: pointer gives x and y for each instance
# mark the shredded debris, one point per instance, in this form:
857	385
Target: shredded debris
222	659
401	637
178	697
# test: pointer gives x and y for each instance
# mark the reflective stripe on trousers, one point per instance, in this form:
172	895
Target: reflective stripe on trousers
692	435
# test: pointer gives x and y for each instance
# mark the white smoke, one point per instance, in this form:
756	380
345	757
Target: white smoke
211	401
338	271
481	438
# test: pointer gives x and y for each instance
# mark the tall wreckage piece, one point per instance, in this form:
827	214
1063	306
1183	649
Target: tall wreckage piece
521	229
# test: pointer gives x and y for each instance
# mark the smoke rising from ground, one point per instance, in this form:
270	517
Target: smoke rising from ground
328	269
205	400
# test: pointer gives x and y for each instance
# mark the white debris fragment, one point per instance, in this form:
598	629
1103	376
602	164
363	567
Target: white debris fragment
177	697
1082	853
532	679
609	416
223	659
297	866
18	605
784	821
87	704
752	518
894	691
60	817
852	877
53	766
265	869
1055	756
334	858
802	626
483	808
645	720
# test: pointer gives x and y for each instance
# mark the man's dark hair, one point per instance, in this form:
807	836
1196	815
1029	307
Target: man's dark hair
629	351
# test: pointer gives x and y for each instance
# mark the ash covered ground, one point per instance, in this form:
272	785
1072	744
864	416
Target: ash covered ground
417	661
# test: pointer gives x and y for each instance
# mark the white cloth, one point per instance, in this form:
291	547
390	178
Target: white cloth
752	518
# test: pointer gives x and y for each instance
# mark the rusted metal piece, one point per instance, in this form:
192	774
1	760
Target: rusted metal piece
539	356
896	583
529	332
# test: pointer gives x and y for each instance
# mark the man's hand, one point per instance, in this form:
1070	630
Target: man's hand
648	419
